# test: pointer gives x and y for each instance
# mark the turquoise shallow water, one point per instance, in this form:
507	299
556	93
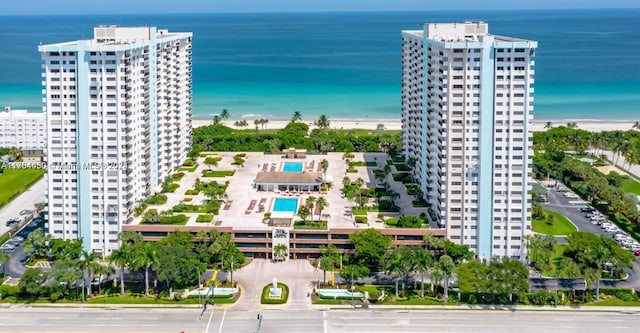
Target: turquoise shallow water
347	65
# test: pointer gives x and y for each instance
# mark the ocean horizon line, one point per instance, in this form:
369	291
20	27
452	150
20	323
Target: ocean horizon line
200	13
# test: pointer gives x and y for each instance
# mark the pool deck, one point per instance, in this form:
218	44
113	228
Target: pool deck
244	207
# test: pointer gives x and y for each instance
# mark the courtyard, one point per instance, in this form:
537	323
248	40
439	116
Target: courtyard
258	190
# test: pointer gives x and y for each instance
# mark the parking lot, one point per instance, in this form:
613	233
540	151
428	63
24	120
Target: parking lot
563	201
14	247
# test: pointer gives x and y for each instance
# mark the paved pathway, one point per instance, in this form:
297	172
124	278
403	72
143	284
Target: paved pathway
299	275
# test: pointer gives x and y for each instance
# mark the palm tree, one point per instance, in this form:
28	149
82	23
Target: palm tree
216	120
89	262
263	122
310	203
325	166
121	258
323	122
145	256
297	116
321	203
244	123
423	260
237	124
548	125
398	261
256	123
446	267
280	251
225	114
572	125
101	270
303	212
636	125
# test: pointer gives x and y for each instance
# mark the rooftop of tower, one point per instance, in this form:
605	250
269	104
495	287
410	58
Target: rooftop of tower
459	32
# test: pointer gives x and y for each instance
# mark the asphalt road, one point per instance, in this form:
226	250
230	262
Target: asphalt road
26	200
311	321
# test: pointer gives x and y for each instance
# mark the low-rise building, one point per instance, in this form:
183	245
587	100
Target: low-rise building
23	130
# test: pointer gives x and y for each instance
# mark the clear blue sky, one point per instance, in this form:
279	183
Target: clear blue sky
40	7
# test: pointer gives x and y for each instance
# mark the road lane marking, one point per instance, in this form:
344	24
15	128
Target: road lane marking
324	322
222	321
206	329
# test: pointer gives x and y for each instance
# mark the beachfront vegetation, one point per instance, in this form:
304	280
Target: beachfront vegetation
604	192
218	137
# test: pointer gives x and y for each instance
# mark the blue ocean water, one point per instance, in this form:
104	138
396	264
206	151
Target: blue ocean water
347	65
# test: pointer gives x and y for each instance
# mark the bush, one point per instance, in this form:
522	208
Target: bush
204	218
352	170
361	219
192	192
187	199
157	199
400	176
169	187
189	163
211	160
401	167
387	206
177	176
218	173
140	209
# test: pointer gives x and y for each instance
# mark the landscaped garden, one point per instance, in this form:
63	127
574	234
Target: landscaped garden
631	186
282	299
310	225
552	223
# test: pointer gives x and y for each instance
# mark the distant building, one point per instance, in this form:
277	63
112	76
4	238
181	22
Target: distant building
23	130
119	113
467	102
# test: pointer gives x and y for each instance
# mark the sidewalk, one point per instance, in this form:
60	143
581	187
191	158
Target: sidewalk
467	307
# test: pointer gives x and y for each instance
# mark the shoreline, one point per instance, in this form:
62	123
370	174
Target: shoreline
537	126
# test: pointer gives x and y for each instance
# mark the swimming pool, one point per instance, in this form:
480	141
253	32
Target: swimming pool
292	167
285	205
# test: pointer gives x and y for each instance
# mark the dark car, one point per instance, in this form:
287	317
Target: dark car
12	221
587	210
637	253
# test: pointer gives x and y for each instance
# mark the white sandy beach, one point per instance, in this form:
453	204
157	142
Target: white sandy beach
538	126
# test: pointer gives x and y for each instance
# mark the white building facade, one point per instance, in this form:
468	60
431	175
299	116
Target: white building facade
118	109
467	103
23	130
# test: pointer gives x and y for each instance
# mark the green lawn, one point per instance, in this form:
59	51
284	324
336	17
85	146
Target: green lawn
560	226
615	302
309	225
218	173
15	181
631	186
557	254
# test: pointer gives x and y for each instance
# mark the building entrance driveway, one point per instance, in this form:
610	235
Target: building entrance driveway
299	275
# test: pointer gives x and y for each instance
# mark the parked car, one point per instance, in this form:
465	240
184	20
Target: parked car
637	253
26	212
7	246
12	222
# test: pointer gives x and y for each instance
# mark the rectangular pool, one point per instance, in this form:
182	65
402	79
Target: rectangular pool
285	205
292	167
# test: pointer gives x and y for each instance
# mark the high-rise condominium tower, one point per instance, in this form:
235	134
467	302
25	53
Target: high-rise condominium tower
467	102
118	111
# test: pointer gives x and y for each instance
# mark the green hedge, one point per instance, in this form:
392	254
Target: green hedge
4	238
204	218
192	192
401	167
361	219
264	299
157	199
218	173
